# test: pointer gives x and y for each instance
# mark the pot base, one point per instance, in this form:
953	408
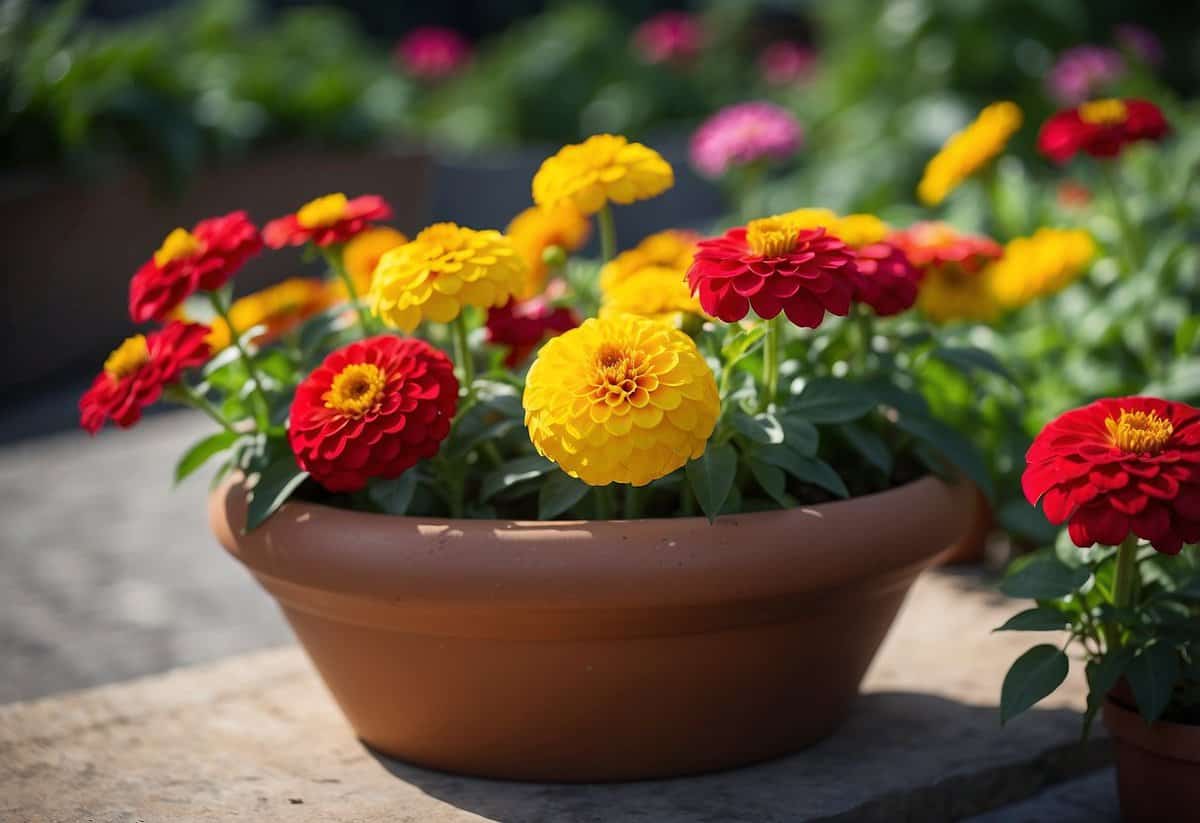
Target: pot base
1158	766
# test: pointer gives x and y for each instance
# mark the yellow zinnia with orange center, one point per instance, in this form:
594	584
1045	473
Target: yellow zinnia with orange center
279	309
671	249
968	151
603	168
620	400
443	269
1040	265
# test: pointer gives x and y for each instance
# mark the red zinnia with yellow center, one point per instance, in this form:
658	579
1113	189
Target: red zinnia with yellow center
138	370
331	219
523	324
770	266
1100	128
1120	466
202	259
372	409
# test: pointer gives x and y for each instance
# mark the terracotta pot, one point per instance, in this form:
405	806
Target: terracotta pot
971	549
1158	766
595	651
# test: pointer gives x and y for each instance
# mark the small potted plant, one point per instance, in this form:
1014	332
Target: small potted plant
421	455
1124	475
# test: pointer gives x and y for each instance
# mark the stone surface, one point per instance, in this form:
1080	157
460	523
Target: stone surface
1088	799
106	572
257	737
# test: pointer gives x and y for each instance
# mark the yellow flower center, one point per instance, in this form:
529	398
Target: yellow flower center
324	211
356	389
1103	112
1139	432
771	236
622	375
127	357
179	244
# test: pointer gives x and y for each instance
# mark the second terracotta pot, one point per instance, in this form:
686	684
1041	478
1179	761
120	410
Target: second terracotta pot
1158	766
595	651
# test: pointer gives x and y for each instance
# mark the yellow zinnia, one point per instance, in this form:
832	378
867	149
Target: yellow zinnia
280	308
671	249
854	230
1043	264
620	400
443	269
969	150
656	292
949	292
362	254
602	168
537	229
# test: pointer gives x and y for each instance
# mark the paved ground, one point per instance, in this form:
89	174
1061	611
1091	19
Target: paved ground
106	573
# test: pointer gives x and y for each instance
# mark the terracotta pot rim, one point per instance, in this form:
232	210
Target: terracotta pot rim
1174	741
654	563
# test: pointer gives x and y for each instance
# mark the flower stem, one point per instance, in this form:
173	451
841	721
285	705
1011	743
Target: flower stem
462	355
334	258
185	395
262	411
608	233
1124	581
866	334
633	502
604	503
1129	239
772	345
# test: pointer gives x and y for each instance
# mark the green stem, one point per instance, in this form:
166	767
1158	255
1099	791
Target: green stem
1129	239
772	345
1124	582
608	233
866	333
462	356
633	502
604	503
185	395
262	411
751	196
334	258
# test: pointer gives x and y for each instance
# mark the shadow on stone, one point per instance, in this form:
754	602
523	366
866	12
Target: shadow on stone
900	756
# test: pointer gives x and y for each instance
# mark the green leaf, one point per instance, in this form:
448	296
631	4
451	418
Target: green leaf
956	448
830	400
761	428
1152	675
1026	521
275	485
741	343
1045	577
711	476
1032	677
560	492
1103	674
513	472
800	436
201	451
773	481
1040	619
969	359
870	445
1187	336
394	496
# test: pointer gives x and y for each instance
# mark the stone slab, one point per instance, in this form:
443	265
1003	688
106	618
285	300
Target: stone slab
257	737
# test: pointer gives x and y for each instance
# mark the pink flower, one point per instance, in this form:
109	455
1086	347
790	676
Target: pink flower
742	134
1082	71
1140	42
672	36
433	52
784	62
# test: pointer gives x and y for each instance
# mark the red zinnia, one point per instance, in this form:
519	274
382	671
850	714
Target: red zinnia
200	260
1101	128
523	324
886	280
933	244
772	266
1120	465
326	220
138	370
372	409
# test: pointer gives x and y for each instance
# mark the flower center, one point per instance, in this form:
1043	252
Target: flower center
356	389
771	236
127	357
324	211
179	244
622	375
1103	112
1139	432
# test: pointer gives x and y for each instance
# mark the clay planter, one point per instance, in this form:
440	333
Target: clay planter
595	651
1158	766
